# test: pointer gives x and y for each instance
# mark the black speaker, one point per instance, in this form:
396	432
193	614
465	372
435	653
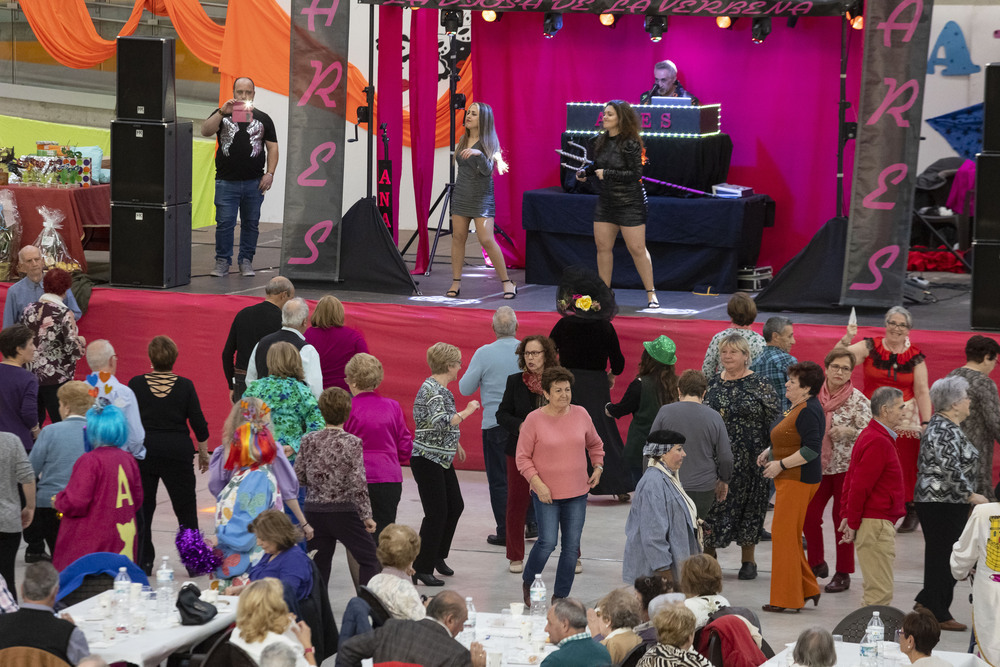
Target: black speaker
145	79
991	109
987	220
151	162
150	245
985	295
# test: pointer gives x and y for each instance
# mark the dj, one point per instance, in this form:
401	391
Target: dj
667	85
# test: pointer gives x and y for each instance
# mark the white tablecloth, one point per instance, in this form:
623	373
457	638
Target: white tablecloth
849	655
159	640
500	633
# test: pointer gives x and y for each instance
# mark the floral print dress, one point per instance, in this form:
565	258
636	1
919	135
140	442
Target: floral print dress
58	347
748	406
294	410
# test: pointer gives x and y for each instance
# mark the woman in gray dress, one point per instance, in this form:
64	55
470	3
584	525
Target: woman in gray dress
476	155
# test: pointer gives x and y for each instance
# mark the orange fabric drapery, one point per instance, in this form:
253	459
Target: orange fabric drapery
67	32
253	28
201	35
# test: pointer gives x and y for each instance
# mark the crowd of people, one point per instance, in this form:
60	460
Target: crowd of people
312	455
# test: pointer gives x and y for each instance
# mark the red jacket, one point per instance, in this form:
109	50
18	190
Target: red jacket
738	646
873	486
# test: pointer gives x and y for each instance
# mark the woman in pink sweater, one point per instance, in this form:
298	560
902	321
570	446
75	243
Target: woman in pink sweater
552	451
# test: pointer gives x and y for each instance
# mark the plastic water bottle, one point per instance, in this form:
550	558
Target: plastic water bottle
469	627
539	597
164	588
869	650
877	630
123	583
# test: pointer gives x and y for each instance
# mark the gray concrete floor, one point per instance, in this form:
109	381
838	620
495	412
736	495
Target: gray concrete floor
481	569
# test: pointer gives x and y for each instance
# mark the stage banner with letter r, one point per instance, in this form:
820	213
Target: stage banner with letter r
317	99
897	33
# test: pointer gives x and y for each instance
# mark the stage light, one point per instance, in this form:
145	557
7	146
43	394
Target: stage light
656	26
760	29
608	20
491	16
552	24
857	22
724	22
452	20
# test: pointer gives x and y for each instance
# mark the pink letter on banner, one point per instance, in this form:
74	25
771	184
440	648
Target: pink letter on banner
315	10
318	78
890	253
896	112
325	228
871	200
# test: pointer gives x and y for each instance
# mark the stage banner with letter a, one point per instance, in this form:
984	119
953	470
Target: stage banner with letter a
317	99
897	33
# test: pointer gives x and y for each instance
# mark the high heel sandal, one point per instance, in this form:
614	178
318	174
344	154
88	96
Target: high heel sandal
453	293
654	302
778	610
509	295
814	598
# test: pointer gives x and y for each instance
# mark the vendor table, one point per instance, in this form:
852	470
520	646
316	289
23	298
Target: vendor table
694	243
84	208
154	644
849	655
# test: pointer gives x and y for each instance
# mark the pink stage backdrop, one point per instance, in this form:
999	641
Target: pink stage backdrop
399	336
779	103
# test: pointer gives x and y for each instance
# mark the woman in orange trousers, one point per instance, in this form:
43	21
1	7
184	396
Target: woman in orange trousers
793	462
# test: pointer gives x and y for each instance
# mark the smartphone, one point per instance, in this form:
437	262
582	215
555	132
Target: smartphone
242	112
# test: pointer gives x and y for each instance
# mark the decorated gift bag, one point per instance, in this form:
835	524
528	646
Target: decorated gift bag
10	235
50	242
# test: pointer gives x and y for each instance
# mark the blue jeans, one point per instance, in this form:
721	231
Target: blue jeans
566	515
495	460
232	197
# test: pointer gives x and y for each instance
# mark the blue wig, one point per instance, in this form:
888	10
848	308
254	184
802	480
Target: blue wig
106	427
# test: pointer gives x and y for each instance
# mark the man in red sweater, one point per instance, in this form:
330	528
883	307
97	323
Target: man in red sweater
873	496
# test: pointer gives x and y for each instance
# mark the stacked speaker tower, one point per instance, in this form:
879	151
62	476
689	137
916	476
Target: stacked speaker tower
151	170
986	232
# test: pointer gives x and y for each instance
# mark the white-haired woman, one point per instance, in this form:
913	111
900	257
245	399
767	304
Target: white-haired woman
894	361
946	486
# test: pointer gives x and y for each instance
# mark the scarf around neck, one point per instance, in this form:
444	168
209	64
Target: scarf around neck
831	403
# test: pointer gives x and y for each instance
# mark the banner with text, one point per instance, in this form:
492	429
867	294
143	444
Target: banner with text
897	33
730	8
317	100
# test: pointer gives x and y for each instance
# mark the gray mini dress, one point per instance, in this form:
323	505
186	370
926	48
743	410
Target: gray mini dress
473	193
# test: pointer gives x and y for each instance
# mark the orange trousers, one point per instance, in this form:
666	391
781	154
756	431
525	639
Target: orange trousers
792	580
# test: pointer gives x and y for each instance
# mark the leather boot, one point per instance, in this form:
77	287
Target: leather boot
910	521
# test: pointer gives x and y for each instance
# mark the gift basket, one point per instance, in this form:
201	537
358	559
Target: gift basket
10	235
50	242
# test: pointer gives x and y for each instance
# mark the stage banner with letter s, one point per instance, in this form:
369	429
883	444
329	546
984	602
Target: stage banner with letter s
897	33
317	100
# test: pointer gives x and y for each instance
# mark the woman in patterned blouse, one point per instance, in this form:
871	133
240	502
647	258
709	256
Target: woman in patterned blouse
58	345
397	547
847	413
435	446
675	632
946	486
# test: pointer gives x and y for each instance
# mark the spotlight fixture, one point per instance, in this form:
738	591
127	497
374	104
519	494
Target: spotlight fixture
491	16
725	22
656	26
552	24
855	14
760	29
608	20
452	20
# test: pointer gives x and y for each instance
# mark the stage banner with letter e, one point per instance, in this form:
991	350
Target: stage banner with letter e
317	101
897	33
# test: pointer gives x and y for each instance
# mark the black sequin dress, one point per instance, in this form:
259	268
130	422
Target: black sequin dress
473	193
622	199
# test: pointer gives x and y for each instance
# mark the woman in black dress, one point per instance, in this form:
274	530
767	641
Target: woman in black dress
167	404
476	155
621	205
587	344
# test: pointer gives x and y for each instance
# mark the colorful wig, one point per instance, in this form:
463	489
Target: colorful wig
251	444
106	426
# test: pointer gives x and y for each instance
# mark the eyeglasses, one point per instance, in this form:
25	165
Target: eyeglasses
534	354
840	369
897	325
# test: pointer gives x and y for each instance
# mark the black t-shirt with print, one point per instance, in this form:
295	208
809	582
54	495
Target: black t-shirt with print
241	155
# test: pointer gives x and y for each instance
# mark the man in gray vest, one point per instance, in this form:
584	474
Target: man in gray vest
294	315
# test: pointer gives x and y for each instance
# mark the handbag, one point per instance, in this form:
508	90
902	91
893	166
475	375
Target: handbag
194	610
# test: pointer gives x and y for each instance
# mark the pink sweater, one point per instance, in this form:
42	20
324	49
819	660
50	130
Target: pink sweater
555	448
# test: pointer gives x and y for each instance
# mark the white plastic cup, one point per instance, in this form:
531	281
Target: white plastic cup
494	658
516	608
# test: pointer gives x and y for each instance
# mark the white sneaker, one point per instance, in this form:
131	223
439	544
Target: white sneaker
579	566
221	268
516	566
246	269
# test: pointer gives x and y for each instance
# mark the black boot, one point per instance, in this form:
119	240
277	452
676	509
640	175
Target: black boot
910	521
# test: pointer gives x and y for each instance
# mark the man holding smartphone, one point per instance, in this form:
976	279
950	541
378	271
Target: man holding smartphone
245	161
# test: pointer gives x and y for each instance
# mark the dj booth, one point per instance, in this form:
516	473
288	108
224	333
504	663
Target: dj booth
694	243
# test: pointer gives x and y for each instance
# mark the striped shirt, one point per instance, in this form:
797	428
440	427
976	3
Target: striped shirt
435	439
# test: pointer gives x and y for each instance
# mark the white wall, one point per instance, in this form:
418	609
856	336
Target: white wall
943	94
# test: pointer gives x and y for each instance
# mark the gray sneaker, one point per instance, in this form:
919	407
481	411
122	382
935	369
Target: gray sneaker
221	268
246	268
